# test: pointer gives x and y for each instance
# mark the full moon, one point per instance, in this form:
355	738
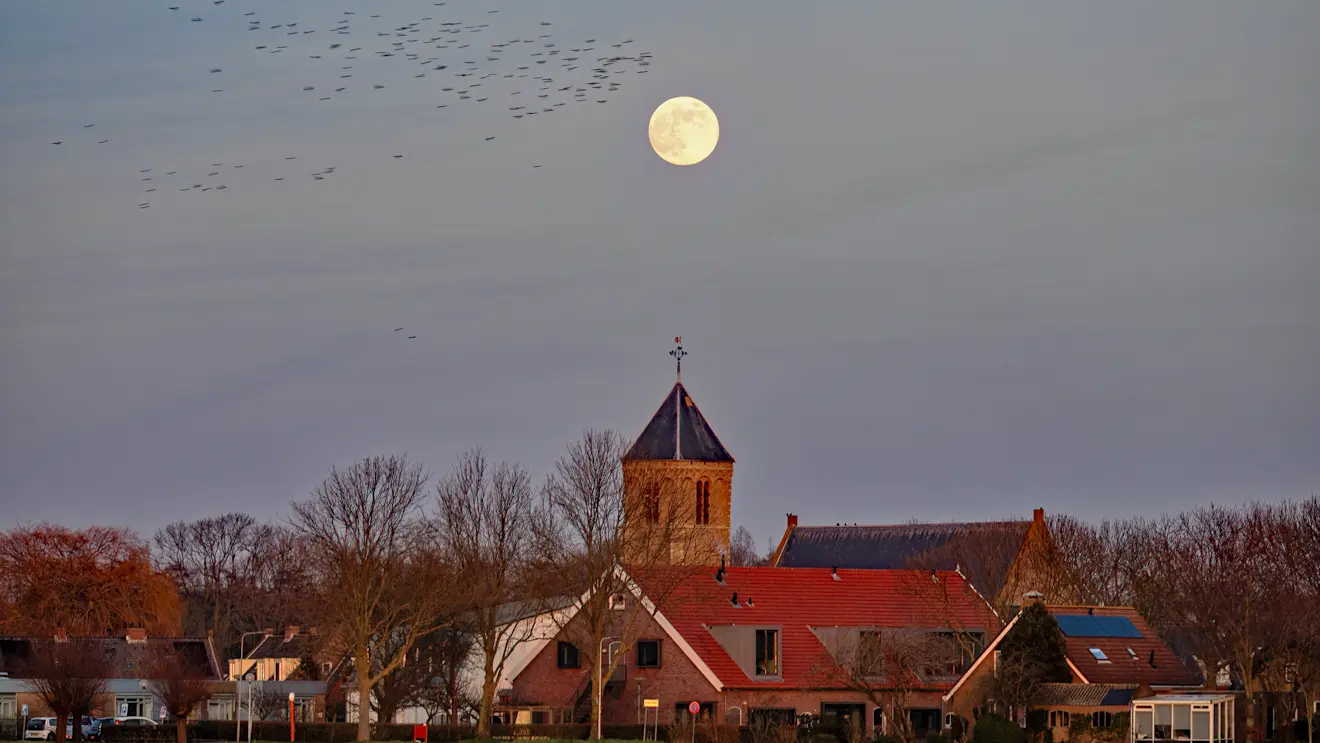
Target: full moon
683	131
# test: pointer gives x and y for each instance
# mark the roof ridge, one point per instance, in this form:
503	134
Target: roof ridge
1015	522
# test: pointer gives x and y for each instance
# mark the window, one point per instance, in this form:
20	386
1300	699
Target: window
648	654
706	715
767	652
538	717
703	502
568	656
1101	719
1182	722
1059	719
771	716
1099	655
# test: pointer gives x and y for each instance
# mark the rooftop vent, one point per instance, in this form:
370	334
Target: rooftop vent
749	603
734	600
834	573
1152	659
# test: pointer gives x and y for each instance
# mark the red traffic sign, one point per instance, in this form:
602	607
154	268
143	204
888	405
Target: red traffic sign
694	708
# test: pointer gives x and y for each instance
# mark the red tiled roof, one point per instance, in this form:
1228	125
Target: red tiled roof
1122	667
797	599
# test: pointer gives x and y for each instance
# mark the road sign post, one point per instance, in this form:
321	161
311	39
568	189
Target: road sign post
694	709
647	706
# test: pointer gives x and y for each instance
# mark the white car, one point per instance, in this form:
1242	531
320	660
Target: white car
40	728
43	728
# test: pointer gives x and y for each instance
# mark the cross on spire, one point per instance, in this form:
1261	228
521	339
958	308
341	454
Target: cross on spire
678	353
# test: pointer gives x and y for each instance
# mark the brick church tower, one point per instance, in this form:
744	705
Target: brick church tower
678	469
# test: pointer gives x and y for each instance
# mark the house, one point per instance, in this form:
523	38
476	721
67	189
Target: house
1003	559
752	644
129	690
280	657
1113	655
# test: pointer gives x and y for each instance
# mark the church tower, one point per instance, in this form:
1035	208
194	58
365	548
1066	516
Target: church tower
677	470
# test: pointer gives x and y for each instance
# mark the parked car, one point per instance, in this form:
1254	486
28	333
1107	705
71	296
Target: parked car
40	728
130	721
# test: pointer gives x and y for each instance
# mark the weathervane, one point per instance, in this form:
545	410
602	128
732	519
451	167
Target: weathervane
678	353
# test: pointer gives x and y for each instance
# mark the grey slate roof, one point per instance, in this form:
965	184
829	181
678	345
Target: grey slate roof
127	660
1084	695
678	431
896	546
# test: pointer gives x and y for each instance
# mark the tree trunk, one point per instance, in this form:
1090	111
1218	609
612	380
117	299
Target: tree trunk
181	729
487	697
363	670
597	679
61	722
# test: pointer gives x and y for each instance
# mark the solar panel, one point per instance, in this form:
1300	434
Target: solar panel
1084	625
1118	627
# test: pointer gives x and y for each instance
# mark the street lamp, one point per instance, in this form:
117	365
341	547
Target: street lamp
604	652
238	694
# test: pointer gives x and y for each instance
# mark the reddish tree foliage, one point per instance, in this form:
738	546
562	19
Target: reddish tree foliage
97	581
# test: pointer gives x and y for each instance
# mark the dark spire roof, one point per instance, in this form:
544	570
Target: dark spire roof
678	431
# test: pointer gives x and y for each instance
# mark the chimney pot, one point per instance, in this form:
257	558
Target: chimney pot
792	520
290	632
1038	515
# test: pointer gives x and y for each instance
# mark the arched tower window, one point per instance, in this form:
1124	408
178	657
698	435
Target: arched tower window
703	502
651	504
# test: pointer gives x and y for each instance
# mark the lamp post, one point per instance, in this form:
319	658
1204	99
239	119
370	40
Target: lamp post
238	693
604	653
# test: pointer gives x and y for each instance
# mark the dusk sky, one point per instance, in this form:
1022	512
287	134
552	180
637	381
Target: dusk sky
949	261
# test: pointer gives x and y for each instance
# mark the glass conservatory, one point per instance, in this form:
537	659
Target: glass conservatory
1191	718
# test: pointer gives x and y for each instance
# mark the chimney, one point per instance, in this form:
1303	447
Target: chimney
290	632
136	635
61	635
1033	597
792	520
1038	515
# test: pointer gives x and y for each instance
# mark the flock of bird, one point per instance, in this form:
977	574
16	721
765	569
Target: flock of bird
471	63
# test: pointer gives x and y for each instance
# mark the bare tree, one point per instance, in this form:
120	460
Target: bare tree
182	684
384	584
486	515
888	665
266	702
742	548
68	675
210	561
581	527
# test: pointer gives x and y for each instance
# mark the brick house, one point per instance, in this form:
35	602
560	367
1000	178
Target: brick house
754	643
1114	657
128	692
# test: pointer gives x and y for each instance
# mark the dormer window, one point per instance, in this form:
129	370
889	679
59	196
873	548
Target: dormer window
703	502
1099	655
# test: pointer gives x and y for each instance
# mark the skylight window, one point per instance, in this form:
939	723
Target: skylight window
1100	655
